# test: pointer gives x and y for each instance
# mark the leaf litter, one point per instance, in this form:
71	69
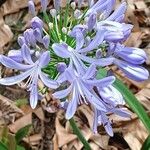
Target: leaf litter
49	129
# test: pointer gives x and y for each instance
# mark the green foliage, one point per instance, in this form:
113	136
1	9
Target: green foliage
22	133
10	141
146	145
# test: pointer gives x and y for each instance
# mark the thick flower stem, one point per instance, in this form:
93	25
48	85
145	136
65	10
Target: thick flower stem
77	131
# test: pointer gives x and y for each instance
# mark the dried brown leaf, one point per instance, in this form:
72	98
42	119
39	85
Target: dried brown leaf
20	123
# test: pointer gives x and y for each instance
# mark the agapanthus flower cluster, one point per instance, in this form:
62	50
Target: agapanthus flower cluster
66	48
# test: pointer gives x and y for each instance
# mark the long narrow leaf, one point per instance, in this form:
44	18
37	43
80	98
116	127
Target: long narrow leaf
3	146
22	133
146	145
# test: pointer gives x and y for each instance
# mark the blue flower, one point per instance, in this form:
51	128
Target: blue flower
30	69
80	89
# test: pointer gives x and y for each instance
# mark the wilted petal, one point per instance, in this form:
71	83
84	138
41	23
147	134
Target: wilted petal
134	72
15	79
61	50
10	63
26	54
63	93
47	81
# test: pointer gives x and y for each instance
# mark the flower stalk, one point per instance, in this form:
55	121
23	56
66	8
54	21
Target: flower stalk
77	131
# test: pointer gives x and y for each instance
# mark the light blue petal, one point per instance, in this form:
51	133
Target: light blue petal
91	72
63	93
107	124
134	72
102	82
61	50
26	54
72	106
47	81
118	12
34	96
99	62
97	40
10	63
79	40
121	112
132	55
44	59
16	79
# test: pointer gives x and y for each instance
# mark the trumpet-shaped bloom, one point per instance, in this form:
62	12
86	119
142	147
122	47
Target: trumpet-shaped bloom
81	89
29	69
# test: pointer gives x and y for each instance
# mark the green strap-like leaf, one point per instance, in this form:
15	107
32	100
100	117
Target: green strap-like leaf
146	145
22	133
130	99
3	146
20	147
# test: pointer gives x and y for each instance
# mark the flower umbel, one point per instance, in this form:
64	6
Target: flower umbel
67	52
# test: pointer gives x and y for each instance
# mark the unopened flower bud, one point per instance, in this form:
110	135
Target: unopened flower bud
98	53
61	67
51	25
53	13
31	7
44	4
73	5
21	40
36	22
64	30
77	13
38	35
46	41
37	54
57	4
58	17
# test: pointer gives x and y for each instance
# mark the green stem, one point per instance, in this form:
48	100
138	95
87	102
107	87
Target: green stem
79	134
